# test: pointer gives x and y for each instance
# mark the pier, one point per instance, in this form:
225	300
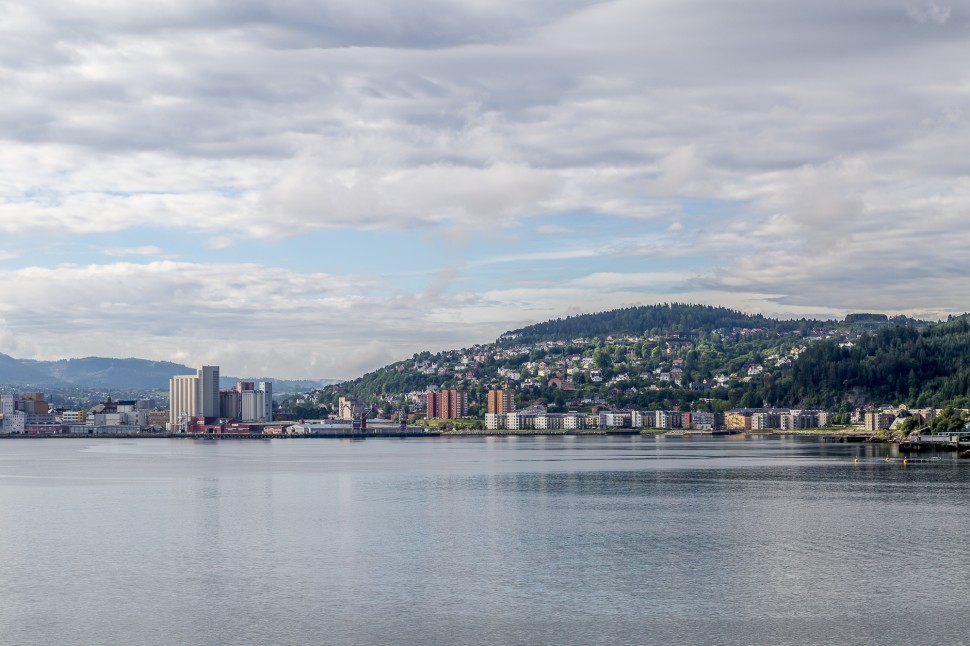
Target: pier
941	441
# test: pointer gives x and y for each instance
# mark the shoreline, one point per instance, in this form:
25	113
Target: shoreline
839	434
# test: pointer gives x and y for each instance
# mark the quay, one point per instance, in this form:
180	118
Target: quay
951	441
340	434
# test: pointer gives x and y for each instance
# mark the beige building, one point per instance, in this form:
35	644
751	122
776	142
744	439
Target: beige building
349	408
737	422
877	421
193	395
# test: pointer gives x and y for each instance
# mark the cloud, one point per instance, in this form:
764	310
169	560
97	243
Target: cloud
552	230
533	110
308	195
144	250
929	12
789	157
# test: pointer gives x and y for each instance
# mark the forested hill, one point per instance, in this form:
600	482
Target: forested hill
691	356
667	318
926	366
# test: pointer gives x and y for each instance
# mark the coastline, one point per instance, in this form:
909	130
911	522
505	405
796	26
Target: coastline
836	434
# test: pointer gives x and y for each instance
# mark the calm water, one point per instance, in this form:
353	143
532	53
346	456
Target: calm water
480	541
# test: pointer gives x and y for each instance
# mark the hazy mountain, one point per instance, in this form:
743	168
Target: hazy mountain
14	372
110	374
281	385
127	375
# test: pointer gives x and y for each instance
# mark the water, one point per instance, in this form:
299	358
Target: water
597	540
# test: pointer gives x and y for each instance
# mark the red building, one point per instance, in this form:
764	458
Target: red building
448	404
221	425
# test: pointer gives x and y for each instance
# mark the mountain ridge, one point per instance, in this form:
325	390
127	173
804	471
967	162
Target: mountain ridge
117	374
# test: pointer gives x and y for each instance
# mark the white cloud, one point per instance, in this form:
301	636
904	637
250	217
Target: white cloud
793	157
929	12
144	250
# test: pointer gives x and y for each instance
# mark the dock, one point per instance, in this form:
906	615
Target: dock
941	441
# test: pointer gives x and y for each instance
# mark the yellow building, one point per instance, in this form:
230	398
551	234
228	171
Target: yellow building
737	422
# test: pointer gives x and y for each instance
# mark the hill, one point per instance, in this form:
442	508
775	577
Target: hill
926	366
664	319
16	372
110	374
660	356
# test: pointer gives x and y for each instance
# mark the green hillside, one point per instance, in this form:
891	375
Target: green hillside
691	356
926	366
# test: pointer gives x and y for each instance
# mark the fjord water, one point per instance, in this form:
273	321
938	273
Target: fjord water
528	540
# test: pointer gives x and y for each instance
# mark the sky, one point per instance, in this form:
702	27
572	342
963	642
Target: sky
314	189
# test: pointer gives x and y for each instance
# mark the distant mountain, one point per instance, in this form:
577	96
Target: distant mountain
281	385
15	372
127	375
110	374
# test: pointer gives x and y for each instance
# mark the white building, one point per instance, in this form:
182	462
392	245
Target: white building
520	420
573	421
257	405
549	422
643	418
614	419
194	395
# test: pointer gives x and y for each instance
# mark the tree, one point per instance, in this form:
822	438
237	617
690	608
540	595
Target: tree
601	358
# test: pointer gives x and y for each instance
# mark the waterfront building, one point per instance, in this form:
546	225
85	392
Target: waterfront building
737	421
669	419
764	420
183	396
877	420
520	420
247	401
797	419
74	416
257	403
349	408
157	418
614	419
703	420
209	390
27	413
447	404
549	422
501	401
573	421
193	395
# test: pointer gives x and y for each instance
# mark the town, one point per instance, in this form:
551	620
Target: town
197	406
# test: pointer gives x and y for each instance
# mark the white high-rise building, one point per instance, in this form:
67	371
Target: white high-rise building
183	399
266	387
193	396
257	405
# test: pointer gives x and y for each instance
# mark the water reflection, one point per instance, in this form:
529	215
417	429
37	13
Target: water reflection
568	540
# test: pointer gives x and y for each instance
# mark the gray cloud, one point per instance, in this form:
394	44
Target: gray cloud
808	149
